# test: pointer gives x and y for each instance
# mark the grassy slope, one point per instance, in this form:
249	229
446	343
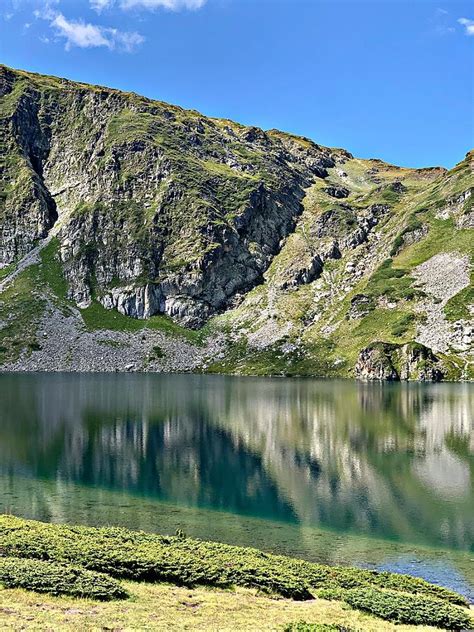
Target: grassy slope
325	341
335	353
23	303
166	607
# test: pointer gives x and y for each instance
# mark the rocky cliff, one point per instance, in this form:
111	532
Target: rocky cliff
138	235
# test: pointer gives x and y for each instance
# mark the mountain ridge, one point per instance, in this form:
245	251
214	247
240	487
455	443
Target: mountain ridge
283	256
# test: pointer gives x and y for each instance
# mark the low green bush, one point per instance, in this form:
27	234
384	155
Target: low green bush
184	561
402	608
147	557
58	579
321	576
393	283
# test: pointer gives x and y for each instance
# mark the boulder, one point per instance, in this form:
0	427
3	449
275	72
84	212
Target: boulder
337	192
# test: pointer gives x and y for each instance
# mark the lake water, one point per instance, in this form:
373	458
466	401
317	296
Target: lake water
378	475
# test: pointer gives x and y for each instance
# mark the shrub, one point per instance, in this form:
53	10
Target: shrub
158	351
394	283
402	608
147	557
402	325
58	579
321	576
183	561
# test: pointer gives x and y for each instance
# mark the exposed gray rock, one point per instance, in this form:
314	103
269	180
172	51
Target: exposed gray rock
441	278
456	206
375	363
411	237
337	192
66	345
385	361
141	302
361	305
398	187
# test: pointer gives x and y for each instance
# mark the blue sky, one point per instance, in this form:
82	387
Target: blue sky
387	79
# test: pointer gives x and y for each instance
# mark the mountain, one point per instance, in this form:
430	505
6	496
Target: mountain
135	235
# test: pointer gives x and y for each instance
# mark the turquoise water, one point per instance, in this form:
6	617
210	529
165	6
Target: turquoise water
336	471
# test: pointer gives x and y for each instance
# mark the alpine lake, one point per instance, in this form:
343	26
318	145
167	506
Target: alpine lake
373	475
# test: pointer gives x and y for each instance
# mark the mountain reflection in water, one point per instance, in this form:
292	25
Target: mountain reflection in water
392	461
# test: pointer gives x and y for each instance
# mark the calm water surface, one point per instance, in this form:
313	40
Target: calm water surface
337	471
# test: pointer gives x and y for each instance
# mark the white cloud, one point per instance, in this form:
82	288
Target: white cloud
442	23
100	5
84	35
468	25
79	33
173	5
126	41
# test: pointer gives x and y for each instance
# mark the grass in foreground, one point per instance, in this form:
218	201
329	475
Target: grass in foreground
166	607
182	561
140	556
58	579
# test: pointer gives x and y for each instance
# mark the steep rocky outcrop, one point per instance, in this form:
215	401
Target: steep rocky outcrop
123	214
384	361
172	206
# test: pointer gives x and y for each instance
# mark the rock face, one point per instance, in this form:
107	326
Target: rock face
162	210
121	214
384	361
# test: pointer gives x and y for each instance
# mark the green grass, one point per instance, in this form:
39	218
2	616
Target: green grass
23	303
389	325
302	626
128	126
97	318
43	553
10	100
51	270
457	308
21	307
159	607
403	325
443	236
393	283
388	196
6	271
313	360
